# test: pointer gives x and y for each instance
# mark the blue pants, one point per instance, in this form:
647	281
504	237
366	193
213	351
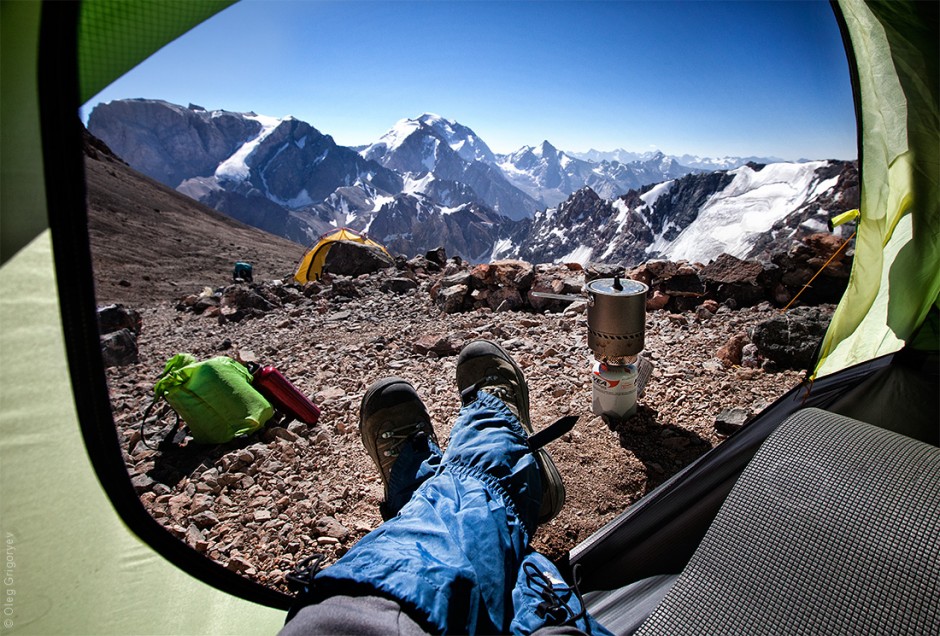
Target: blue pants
454	548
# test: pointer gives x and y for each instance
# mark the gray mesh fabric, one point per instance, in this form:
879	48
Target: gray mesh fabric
833	528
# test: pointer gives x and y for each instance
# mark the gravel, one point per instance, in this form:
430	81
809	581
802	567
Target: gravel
260	504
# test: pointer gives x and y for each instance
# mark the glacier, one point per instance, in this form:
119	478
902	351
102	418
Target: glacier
749	206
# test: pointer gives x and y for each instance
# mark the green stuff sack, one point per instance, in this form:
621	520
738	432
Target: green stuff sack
214	397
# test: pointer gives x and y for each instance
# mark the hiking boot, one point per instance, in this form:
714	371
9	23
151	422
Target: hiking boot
390	414
485	366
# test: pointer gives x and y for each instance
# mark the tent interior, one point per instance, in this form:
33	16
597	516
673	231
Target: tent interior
82	555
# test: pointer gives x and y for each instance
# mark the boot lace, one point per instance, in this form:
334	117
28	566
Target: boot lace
494	384
396	436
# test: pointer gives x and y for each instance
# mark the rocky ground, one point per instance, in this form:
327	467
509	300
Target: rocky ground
260	504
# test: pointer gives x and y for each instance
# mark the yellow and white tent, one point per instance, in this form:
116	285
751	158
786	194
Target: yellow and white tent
312	264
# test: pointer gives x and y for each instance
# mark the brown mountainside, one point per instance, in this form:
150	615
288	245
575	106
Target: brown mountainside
150	243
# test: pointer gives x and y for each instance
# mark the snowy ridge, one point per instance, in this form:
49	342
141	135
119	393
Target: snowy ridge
750	205
236	166
696	217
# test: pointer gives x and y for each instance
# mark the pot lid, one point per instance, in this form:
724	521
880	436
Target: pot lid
617	287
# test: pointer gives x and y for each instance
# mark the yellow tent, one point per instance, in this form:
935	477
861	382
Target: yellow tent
311	265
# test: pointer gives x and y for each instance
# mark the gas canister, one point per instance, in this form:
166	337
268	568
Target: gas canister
614	389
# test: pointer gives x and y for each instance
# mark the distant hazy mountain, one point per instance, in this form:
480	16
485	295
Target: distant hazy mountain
619	155
550	175
689	161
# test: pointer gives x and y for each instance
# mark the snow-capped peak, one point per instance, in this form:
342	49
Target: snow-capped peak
397	134
458	137
236	166
545	150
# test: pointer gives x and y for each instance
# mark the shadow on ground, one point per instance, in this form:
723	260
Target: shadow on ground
663	449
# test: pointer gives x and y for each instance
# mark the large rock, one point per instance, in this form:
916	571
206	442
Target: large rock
451	299
505	299
398	285
730	353
244	297
510	273
113	318
727	277
791	339
805	259
438	255
349	258
439	345
119	348
553	280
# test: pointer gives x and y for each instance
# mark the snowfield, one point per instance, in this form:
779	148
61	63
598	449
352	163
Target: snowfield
750	205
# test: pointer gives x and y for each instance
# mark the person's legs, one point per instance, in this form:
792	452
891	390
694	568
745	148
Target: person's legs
451	555
458	524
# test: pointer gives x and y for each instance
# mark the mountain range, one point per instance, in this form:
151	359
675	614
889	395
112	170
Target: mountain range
431	182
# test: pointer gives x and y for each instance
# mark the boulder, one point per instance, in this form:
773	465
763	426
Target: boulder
505	299
451	299
119	348
792	339
730	352
398	285
349	258
243	297
679	281
438	256
345	287
658	300
204	303
113	318
803	260
439	345
731	420
600	270
511	273
459	278
330	527
729	277
421	265
548	281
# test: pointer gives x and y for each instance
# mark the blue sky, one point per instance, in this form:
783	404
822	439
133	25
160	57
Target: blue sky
701	77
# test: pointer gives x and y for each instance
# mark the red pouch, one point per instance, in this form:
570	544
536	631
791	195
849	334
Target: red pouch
283	395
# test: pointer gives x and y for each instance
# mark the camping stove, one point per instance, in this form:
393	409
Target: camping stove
616	317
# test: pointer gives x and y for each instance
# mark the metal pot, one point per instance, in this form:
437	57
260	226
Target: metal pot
616	316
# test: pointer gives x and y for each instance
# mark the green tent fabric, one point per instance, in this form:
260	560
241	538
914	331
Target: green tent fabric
116	35
895	279
22	199
70	565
